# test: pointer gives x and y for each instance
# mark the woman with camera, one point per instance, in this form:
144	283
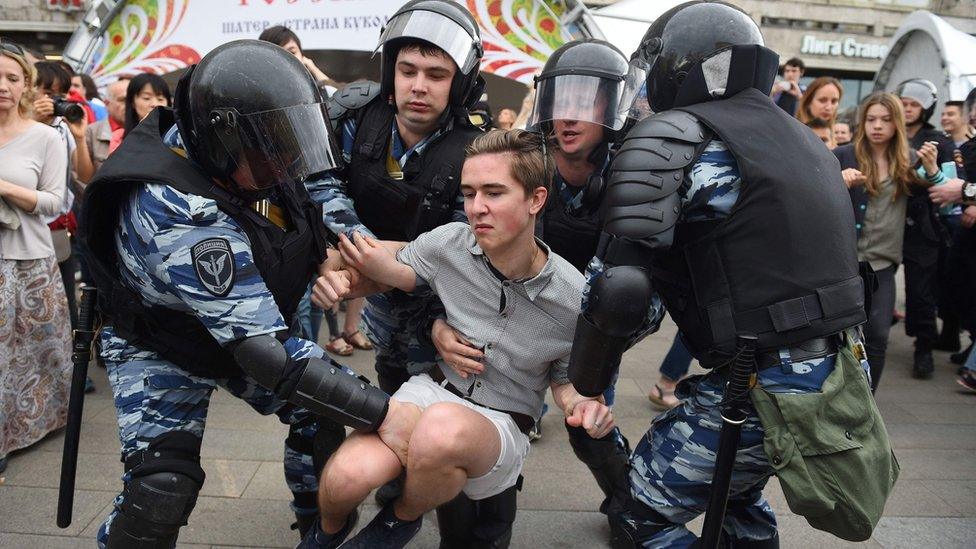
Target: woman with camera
878	170
35	343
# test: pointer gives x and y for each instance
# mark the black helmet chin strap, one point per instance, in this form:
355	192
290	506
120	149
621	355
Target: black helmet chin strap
726	73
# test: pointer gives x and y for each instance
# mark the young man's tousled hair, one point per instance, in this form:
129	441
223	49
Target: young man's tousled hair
529	163
280	35
796	62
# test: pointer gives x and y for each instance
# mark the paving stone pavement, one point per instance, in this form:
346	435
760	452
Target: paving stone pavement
244	500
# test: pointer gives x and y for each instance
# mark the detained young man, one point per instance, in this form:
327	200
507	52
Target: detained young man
506	293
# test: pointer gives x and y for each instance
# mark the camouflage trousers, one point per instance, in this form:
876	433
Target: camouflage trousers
153	397
672	465
394	323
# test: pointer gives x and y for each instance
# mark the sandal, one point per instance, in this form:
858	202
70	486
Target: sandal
661	399
361	343
338	346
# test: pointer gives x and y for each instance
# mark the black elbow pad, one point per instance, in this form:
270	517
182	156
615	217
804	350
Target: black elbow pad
323	388
616	310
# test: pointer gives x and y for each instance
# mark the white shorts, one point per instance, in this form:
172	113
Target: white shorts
423	391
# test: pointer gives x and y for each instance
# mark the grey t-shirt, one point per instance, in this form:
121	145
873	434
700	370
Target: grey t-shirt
526	336
35	160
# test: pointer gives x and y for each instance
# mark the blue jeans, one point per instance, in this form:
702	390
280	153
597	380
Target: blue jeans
677	361
971	361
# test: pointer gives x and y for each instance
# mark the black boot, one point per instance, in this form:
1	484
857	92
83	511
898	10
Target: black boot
949	337
922	366
609	461
483	524
390	491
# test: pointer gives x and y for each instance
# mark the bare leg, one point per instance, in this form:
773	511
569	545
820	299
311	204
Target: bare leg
449	444
362	463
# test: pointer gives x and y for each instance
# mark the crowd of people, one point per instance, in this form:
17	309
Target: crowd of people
483	260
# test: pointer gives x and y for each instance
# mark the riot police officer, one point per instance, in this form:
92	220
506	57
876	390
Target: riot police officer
581	105
203	239
926	231
735	215
404	142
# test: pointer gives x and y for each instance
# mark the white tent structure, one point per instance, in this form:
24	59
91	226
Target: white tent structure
926	46
625	22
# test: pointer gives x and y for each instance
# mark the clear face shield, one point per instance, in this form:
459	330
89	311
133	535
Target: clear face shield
440	31
634	103
581	97
278	146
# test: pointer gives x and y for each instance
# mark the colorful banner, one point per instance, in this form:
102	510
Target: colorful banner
162	36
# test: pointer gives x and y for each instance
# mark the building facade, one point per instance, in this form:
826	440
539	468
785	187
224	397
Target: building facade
44	26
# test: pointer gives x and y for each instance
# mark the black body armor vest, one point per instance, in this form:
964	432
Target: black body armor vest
286	260
783	265
424	199
574	238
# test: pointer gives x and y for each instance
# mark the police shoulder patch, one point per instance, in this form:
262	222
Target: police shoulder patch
213	261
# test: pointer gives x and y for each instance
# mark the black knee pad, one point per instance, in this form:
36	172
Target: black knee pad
160	495
327	440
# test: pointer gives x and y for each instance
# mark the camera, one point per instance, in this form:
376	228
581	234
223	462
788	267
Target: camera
69	110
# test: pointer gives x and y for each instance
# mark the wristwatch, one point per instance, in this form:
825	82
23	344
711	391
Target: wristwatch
969	190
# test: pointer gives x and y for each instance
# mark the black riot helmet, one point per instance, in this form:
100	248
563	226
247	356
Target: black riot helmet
700	51
442	23
923	91
251	116
585	80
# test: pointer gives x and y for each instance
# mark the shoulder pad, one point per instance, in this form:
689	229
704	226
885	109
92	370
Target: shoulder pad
643	180
352	98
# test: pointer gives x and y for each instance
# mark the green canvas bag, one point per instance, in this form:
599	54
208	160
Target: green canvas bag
830	450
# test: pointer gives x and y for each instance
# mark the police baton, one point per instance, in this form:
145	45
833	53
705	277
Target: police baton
80	357
734	414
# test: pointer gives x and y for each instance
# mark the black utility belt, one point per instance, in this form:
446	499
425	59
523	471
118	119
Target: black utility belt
522	421
810	349
817	347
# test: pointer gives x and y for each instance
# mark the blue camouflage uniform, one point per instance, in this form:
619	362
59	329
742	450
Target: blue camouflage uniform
672	465
395	323
158	227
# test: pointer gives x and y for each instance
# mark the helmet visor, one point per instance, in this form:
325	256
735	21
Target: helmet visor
437	29
579	97
279	146
633	100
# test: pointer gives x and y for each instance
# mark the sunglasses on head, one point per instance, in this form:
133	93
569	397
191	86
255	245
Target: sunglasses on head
12	47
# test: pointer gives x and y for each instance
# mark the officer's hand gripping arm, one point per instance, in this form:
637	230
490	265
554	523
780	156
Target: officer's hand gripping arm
323	388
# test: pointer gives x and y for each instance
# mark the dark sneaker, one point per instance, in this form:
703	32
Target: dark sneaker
89	385
385	531
316	538
968	380
923	366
